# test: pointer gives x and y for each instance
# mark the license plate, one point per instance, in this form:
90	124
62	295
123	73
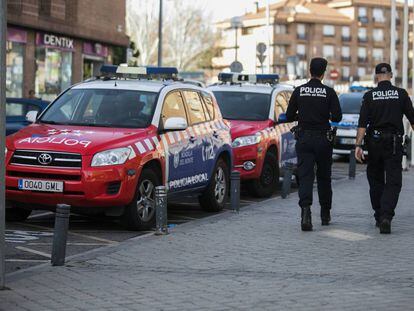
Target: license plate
348	141
41	185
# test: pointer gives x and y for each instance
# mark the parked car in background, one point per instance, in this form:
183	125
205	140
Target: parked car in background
347	128
262	147
17	109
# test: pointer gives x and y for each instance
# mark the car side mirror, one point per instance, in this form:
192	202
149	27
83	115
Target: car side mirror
282	118
175	124
31	116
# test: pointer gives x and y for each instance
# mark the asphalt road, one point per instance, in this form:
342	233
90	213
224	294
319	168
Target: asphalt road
29	243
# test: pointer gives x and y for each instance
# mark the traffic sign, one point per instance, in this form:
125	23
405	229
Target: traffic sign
236	67
334	74
261	48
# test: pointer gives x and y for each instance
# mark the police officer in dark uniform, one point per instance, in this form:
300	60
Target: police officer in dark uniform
380	122
313	105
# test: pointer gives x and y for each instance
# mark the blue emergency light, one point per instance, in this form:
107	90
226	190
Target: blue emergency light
140	72
248	78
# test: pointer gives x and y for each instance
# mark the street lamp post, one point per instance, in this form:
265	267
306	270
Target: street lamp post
268	31
3	27
236	23
160	36
405	48
393	31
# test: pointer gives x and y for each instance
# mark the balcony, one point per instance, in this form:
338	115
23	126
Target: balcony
345	58
379	20
302	36
363	19
346	39
362	59
301	56
362	40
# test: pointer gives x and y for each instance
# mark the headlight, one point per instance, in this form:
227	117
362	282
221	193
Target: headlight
111	157
247	140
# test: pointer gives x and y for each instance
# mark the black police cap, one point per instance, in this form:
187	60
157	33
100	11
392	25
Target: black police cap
318	66
383	68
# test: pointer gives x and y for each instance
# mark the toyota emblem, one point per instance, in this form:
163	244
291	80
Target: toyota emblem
45	159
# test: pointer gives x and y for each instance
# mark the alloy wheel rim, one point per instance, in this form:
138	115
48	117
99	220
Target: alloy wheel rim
146	200
220	187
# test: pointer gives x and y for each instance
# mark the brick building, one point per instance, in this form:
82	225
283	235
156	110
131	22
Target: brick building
353	35
52	44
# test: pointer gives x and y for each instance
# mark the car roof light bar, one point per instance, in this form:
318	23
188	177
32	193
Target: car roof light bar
149	72
249	78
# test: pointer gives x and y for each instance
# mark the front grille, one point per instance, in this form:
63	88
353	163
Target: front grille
46	159
113	188
63	177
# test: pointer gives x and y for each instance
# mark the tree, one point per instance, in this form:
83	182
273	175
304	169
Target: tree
188	33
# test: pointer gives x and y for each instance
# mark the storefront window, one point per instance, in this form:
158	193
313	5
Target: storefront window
53	72
14	69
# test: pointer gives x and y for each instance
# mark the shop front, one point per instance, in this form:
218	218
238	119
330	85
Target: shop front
94	56
53	64
15	51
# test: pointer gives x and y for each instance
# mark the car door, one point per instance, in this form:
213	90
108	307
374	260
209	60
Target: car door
180	150
287	140
200	136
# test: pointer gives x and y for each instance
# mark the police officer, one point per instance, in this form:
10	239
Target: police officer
380	122
313	105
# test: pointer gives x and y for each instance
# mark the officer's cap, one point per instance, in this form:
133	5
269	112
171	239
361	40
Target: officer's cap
318	66
383	68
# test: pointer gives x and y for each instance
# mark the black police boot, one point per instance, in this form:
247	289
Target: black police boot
325	216
306	222
385	226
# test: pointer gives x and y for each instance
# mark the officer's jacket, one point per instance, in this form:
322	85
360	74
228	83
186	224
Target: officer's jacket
383	108
313	104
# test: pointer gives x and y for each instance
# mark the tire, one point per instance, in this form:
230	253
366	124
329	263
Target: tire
267	183
16	213
215	196
139	215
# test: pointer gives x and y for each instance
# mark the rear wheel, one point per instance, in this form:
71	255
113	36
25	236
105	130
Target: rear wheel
140	213
267	183
16	213
214	198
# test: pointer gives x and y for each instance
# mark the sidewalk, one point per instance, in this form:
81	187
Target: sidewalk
256	260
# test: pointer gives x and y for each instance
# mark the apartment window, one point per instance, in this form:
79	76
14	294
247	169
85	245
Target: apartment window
362	15
45	7
280	50
362	71
328	51
362	34
378	15
346	33
346	53
378	54
328	30
345	72
362	54
301	31
247	31
301	51
281	29
378	35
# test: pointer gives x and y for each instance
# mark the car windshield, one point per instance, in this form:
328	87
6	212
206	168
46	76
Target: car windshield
350	104
243	105
102	107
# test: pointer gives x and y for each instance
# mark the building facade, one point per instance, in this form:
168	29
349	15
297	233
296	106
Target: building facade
52	44
353	35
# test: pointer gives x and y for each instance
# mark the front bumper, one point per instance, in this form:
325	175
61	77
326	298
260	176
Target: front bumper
254	154
82	188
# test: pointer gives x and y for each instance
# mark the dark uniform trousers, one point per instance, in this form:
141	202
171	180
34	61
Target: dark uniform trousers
313	148
384	174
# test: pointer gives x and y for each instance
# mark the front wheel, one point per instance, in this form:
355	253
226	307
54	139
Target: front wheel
267	183
214	198
140	213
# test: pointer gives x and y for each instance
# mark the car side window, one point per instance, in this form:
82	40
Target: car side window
208	101
15	110
195	107
280	105
173	107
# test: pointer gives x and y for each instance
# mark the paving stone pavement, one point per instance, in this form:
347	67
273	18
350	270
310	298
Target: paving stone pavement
255	260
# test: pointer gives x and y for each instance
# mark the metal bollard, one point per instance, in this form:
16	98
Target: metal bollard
352	164
161	210
60	234
235	190
287	180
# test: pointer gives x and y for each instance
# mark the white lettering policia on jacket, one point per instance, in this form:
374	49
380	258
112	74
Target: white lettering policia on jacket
387	94
312	91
